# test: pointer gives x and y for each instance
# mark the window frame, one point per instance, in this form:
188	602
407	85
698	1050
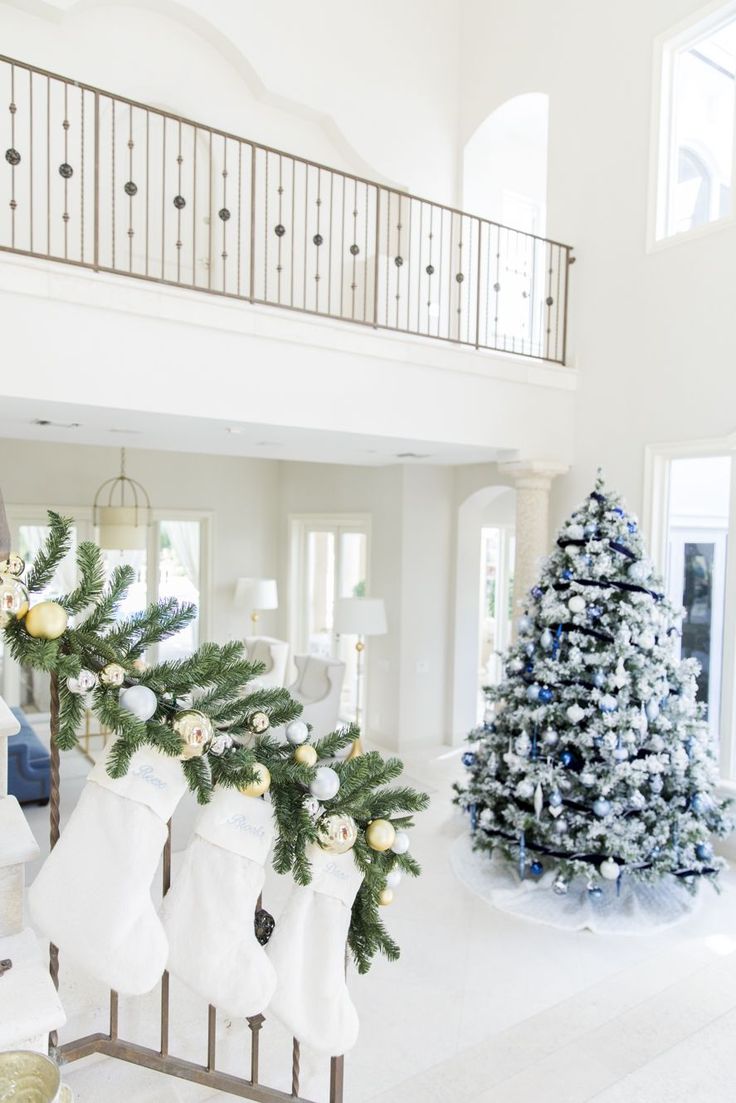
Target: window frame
657	461
662	153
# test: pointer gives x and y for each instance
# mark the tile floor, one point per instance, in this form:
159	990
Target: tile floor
482	1008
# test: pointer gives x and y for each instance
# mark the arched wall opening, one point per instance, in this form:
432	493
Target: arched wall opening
505	164
485	539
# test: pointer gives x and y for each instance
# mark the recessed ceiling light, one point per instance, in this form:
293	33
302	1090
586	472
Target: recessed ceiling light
412	455
45	423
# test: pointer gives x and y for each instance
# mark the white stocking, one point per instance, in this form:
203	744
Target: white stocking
92	897
308	952
209	912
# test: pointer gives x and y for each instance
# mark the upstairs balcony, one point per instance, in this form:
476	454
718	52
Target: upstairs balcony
100	181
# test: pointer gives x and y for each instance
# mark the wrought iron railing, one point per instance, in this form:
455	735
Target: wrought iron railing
101	181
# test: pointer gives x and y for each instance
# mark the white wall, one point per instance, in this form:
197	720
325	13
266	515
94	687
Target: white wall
652	333
370	89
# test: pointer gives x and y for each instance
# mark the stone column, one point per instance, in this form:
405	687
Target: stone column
532	480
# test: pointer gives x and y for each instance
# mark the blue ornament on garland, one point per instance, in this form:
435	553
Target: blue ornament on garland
555	799
608	703
529	668
567	758
473	809
545	695
537	592
703	852
567	574
536	868
599	679
590	529
698	803
469	759
632	526
618	511
594	612
595	892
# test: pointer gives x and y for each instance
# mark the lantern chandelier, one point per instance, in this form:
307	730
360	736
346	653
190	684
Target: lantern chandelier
122	512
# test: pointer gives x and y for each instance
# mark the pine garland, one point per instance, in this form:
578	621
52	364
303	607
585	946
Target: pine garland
216	681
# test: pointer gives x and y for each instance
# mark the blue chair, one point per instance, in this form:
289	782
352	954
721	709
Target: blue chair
29	765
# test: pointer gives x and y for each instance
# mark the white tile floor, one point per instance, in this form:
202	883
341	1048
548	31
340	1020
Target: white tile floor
483	1008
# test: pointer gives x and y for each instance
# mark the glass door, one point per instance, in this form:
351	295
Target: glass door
333	563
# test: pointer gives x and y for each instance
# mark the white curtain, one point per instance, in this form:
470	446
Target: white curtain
184	537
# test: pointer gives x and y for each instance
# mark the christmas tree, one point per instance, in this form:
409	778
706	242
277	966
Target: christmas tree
597	760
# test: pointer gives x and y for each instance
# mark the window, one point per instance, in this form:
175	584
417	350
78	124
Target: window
174	564
695	164
329	561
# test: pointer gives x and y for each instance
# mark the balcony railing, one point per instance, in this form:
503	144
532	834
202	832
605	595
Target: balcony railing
101	181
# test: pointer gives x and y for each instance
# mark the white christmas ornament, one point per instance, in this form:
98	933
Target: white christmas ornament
325	784
140	700
85	681
609	869
393	878
538	800
576	604
575	714
297	732
401	843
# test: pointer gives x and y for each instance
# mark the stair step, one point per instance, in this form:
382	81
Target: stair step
30	1003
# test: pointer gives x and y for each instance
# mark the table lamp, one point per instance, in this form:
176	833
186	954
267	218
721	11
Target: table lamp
361	617
256	594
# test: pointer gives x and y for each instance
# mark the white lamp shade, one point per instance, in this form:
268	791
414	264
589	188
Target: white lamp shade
257	593
122	528
360	616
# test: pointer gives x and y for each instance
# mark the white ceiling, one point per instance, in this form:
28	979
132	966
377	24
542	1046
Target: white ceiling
75	424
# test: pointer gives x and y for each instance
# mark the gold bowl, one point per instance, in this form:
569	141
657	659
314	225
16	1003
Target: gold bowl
27	1077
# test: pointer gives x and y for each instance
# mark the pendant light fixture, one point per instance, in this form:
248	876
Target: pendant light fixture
122	512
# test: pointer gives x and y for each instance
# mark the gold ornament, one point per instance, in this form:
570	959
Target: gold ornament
261	785
305	755
337	833
356	750
46	621
259	723
380	835
112	675
195	732
13	565
385	897
13	600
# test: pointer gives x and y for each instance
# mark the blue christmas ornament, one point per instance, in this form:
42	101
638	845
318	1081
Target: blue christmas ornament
618	511
703	852
590	529
601	807
698	803
655	852
608	703
545	695
537	592
529	649
555	798
533	692
536	868
594	611
567	758
567	574
599	679
473	809
529	668
469	759
595	892
632	526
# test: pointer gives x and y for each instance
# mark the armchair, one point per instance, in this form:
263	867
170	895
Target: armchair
318	687
274	654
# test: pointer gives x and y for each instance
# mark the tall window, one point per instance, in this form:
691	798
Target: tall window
329	561
173	564
695	167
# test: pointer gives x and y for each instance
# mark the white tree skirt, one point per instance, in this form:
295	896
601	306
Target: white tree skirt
639	909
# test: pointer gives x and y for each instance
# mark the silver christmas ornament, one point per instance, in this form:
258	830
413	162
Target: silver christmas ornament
326	784
297	732
140	701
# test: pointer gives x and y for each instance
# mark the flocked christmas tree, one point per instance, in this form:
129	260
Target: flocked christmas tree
597	760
